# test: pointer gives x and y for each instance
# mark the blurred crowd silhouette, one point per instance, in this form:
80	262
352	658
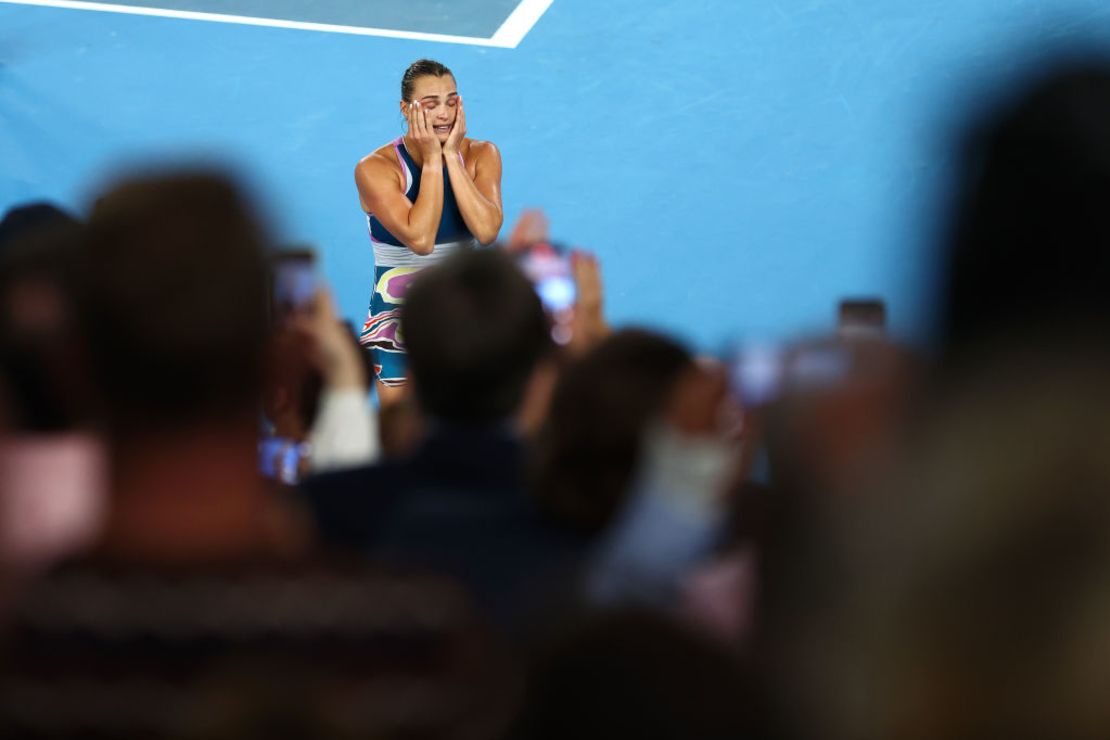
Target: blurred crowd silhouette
208	530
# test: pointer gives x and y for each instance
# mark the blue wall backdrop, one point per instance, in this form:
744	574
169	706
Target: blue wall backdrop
738	166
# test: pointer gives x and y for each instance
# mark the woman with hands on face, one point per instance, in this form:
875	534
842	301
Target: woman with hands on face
426	194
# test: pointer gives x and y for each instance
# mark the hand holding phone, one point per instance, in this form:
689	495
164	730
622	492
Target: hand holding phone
294	283
548	266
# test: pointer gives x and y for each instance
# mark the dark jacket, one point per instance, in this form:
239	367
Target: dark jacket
458	506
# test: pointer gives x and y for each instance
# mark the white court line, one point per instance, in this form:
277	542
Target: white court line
508	36
520	22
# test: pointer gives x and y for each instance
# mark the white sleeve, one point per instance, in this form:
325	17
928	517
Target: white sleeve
671	523
345	434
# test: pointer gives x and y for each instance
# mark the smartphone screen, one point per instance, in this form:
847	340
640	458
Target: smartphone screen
294	281
820	366
861	318
280	459
547	265
756	373
761	373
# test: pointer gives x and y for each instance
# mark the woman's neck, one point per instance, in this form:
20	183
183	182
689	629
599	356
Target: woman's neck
414	150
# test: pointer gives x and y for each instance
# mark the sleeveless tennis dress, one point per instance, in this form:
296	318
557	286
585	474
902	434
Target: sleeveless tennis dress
395	267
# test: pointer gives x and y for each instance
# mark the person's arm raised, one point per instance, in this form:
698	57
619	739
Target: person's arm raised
415	224
479	198
588	325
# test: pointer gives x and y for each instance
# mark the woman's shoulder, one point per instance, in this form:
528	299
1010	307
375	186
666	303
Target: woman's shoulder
478	150
382	162
477	146
382	155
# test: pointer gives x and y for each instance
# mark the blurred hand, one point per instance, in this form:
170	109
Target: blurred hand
588	325
698	449
330	347
532	227
702	405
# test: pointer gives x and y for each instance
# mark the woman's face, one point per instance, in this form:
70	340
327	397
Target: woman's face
437	96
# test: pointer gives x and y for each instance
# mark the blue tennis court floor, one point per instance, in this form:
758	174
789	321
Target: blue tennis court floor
737	166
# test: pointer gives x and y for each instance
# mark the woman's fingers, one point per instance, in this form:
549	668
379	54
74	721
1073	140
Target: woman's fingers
458	130
425	127
418	121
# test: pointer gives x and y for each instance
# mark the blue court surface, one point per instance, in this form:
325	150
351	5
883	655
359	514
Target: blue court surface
738	166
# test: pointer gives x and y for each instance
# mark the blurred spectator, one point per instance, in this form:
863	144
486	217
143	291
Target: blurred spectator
316	397
676	513
692	535
51	465
831	429
966	598
199	613
37	339
589	447
1028	262
34	217
961	593
477	335
173	313
246	651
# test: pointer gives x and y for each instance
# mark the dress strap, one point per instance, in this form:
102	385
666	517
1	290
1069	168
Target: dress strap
397	144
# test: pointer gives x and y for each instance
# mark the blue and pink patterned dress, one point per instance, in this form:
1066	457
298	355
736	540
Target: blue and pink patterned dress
395	267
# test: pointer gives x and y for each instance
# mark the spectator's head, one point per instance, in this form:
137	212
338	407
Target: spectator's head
589	446
173	306
38	362
476	332
27	220
970	599
1030	254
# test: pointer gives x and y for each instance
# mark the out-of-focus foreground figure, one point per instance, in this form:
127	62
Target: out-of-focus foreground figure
200	612
966	595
